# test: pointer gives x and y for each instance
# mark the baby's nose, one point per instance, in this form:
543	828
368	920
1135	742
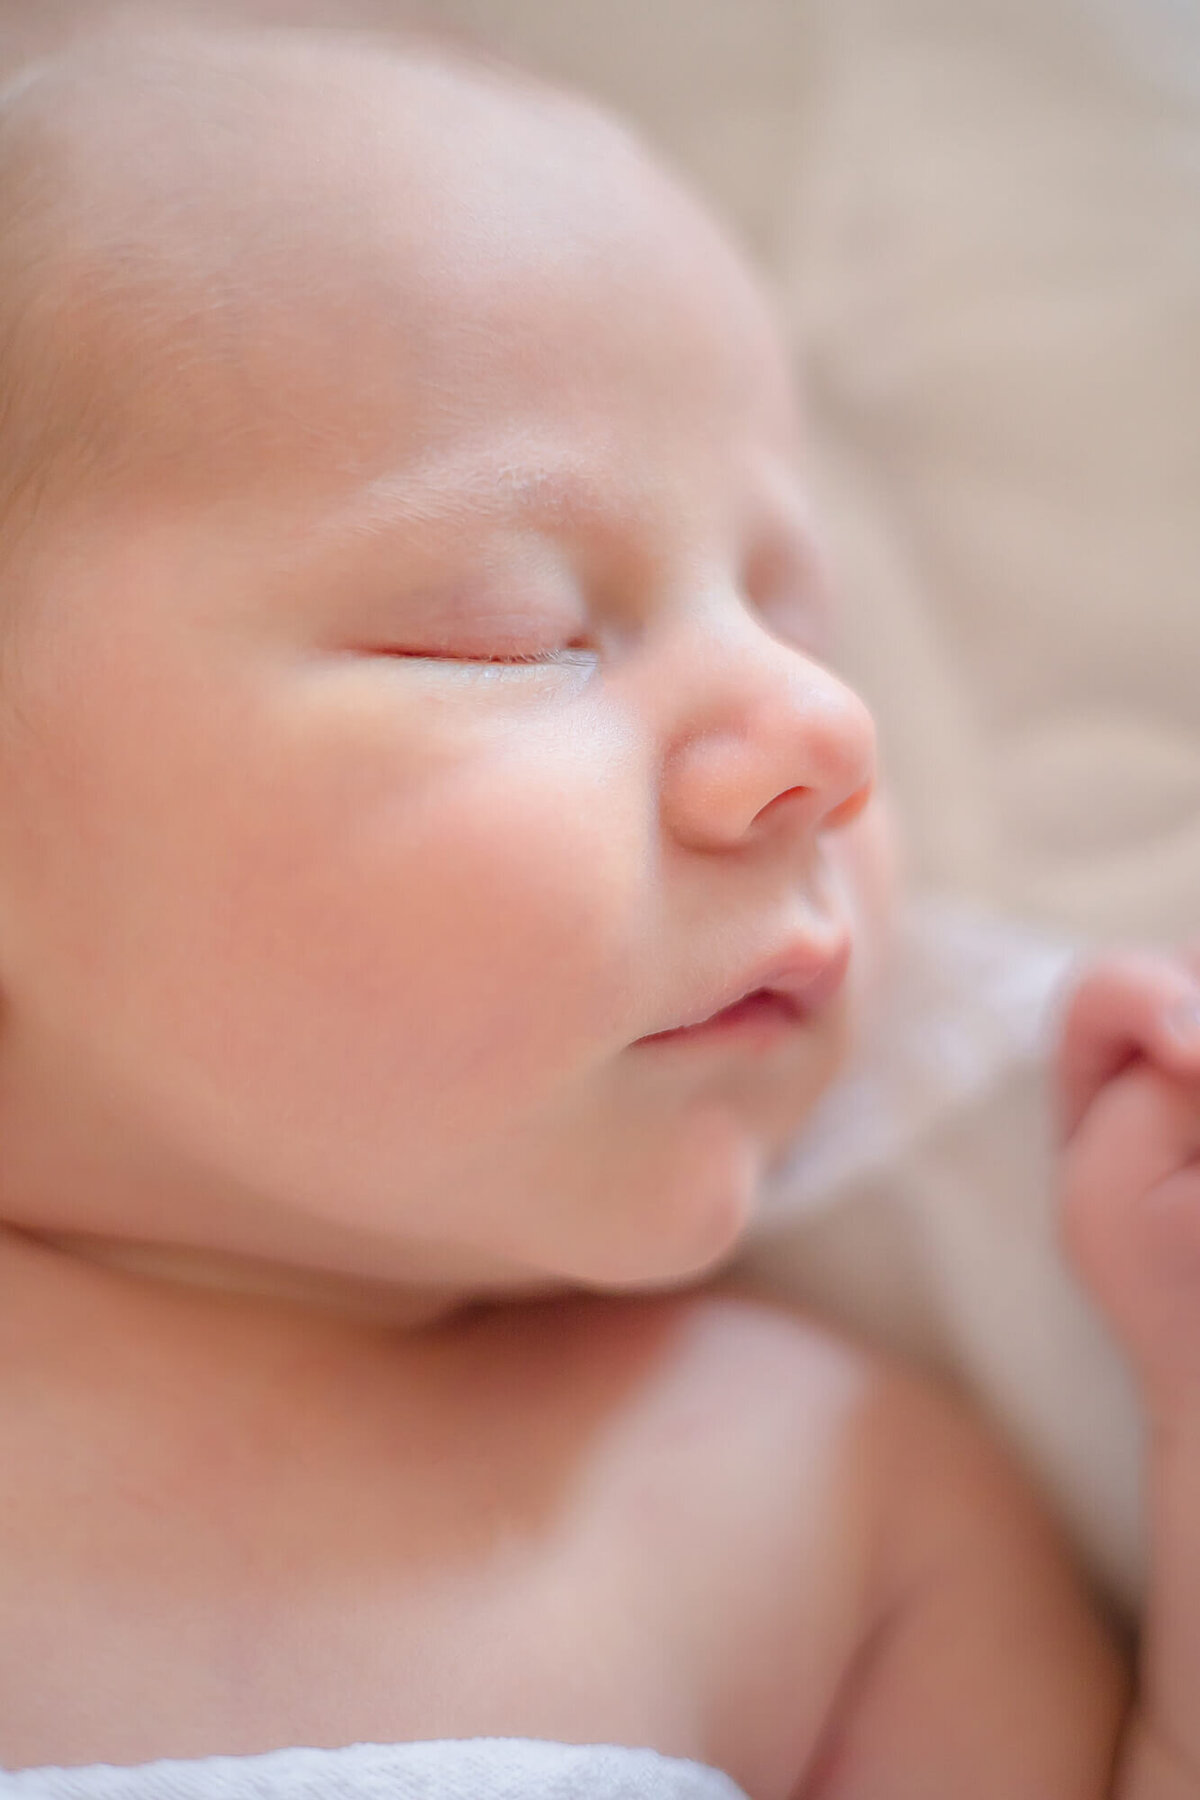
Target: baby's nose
773	740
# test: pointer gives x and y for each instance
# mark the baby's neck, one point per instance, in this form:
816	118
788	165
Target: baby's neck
376	1304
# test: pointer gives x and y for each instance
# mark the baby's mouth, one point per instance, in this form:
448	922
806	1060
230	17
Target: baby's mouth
794	994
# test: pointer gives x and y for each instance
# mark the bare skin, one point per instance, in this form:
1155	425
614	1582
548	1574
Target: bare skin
693	1525
416	707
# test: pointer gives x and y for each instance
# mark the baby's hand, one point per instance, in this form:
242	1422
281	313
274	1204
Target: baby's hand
1129	1098
1129	1088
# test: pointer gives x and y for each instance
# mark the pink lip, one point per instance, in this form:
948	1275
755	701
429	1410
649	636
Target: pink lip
789	992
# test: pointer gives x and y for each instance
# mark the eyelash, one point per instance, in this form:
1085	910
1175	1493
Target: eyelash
533	656
810	641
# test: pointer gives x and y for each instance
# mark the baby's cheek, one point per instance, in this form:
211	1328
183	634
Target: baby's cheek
475	931
361	988
539	890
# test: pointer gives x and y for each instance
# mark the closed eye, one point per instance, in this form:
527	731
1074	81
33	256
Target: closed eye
568	653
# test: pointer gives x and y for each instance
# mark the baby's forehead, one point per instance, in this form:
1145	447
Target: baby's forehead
252	168
247	158
238	229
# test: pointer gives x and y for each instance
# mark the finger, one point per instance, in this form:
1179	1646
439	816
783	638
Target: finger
1131	1213
1130	1007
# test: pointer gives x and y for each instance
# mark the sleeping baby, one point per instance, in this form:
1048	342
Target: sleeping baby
439	874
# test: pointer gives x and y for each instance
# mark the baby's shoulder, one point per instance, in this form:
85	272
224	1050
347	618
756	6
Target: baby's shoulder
727	1472
709	1432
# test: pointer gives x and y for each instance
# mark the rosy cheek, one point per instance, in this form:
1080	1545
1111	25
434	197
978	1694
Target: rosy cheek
501	910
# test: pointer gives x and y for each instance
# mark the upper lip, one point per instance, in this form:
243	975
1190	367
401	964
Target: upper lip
797	975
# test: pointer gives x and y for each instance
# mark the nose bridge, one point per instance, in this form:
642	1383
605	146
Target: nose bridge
756	720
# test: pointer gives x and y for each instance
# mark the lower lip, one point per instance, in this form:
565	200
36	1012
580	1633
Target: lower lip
763	1018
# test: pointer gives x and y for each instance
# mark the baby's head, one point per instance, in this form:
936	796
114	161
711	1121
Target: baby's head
410	695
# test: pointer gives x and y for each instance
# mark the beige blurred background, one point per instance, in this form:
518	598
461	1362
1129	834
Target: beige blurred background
982	218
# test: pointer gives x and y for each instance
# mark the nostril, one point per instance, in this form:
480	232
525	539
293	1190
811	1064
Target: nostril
790	797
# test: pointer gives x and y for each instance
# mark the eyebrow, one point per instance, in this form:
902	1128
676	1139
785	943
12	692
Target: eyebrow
563	497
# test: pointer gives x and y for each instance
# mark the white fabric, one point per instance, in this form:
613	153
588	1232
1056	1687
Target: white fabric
919	1206
970	995
470	1769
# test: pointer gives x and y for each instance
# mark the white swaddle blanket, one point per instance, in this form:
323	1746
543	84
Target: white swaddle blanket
918	1208
467	1769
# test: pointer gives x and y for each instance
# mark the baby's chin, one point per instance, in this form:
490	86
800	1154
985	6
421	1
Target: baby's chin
683	1214
707	1193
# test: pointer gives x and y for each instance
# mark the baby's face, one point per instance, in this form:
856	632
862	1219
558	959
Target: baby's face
434	721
